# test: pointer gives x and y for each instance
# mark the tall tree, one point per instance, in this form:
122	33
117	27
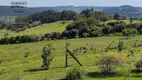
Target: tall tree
88	13
131	21
68	15
116	17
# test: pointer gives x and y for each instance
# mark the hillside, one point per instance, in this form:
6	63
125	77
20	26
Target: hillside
45	28
51	27
124	10
15	66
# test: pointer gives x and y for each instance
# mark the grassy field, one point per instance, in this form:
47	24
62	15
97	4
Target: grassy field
15	67
45	28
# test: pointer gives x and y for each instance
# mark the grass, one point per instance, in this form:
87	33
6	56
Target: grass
14	66
45	28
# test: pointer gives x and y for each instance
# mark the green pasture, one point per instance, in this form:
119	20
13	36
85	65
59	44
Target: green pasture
15	67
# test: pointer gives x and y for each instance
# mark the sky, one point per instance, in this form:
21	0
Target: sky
46	3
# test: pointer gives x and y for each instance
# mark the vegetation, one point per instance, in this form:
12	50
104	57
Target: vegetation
109	63
139	65
94	54
125	10
74	74
13	62
46	56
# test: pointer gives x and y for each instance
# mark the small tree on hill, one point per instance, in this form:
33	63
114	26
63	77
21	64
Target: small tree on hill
46	56
26	55
116	17
6	38
85	35
131	21
120	46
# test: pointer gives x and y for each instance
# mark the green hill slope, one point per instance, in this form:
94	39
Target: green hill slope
14	64
45	28
125	10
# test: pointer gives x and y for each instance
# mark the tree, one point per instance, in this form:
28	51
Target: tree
55	35
21	20
106	30
87	13
6	38
45	16
79	27
47	56
129	32
100	16
95	33
131	20
116	17
120	46
68	15
85	35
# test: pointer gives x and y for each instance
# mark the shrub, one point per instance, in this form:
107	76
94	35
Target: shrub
109	63
95	33
63	22
55	35
140	31
85	35
120	46
46	56
139	64
74	74
129	32
106	30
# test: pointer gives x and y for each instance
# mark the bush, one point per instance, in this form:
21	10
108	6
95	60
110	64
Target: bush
109	63
63	22
47	56
95	33
139	65
55	35
74	74
106	30
85	35
129	32
120	46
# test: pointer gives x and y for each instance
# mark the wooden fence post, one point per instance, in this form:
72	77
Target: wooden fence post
66	55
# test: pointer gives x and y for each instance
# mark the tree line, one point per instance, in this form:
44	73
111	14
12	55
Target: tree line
83	28
23	22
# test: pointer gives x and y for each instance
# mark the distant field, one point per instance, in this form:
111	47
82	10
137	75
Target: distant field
45	28
14	66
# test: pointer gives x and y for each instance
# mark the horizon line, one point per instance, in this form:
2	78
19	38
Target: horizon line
78	6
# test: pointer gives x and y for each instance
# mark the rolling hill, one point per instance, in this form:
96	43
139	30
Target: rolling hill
45	28
125	10
6	11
